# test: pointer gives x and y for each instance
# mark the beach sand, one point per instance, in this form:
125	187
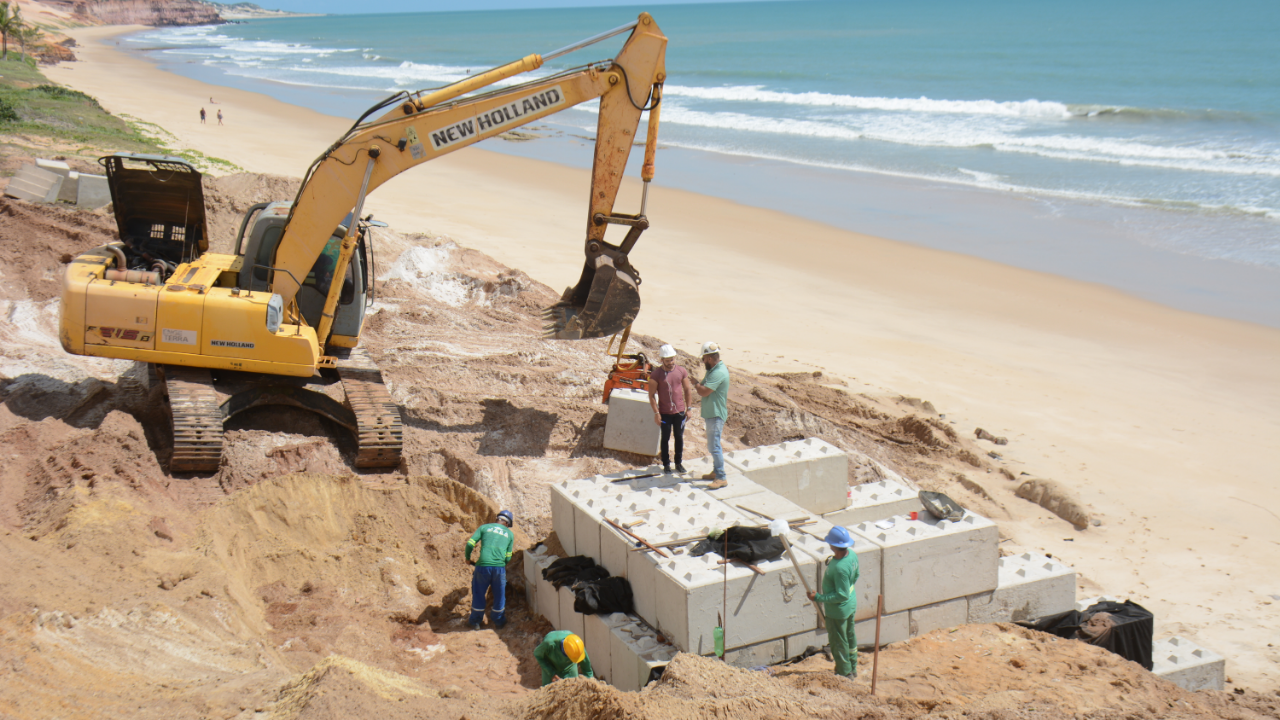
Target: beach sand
1166	424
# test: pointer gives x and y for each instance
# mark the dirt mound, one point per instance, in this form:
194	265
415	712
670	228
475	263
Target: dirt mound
36	239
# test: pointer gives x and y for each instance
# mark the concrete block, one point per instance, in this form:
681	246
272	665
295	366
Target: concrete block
570	619
562	514
740	486
629	426
67	193
926	561
893	628
875	501
691	592
642	573
634	650
54	166
1188	665
92	191
812	473
1029	586
946	614
34	184
598	639
769	652
532	574
70	191
547	596
869	567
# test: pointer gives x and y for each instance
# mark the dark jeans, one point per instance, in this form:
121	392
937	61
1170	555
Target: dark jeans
484	579
670	422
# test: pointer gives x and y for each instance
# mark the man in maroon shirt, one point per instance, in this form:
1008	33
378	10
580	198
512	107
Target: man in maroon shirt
670	396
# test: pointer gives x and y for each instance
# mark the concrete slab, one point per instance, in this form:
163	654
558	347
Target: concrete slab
875	501
766	653
92	191
1188	665
946	614
547	596
812	473
1029	586
599	641
634	650
893	628
570	619
34	184
629	426
926	561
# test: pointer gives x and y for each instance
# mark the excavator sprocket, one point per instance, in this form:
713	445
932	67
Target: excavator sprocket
379	429
197	419
605	301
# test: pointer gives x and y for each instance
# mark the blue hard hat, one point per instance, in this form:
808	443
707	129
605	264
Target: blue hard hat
511	520
839	537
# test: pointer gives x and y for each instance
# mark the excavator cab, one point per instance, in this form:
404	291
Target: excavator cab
259	236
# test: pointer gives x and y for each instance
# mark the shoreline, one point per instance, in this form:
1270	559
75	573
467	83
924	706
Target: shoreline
1160	420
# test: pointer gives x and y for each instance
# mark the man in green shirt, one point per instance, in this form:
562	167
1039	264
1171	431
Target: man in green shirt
497	542
562	654
840	601
714	391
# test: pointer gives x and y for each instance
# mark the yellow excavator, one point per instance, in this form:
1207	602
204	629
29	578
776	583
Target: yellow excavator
279	320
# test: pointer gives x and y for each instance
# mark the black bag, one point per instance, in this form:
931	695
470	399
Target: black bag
749	545
568	570
604	596
1123	628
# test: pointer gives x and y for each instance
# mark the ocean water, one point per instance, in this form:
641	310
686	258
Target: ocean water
1054	136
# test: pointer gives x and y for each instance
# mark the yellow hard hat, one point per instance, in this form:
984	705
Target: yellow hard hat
573	649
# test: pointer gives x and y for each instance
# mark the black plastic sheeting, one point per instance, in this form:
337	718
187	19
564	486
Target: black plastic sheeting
595	592
1123	628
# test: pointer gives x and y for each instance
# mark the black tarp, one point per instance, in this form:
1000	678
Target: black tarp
595	593
1123	628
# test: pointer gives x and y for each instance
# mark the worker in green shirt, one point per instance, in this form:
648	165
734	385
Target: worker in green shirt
840	601
562	654
496	545
714	391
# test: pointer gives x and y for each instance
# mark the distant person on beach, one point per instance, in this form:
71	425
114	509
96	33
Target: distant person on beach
496	545
212	101
670	394
562	654
219	116
201	114
714	391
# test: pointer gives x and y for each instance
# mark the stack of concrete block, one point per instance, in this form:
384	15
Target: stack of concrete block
1028	587
35	184
927	561
875	501
635	650
1188	665
629	426
812	473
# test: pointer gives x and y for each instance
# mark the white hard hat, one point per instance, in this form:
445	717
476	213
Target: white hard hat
666	351
709	348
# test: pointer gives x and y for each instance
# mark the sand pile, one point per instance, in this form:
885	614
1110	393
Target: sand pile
286	585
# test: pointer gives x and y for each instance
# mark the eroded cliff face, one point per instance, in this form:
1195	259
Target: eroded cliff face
141	12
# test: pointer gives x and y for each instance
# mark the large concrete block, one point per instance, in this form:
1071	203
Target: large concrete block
92	191
562	514
875	501
570	619
812	473
926	561
768	652
598	639
642	573
1029	586
548	598
739	487
629	426
34	184
634	651
1188	665
67	192
869	567
691	592
893	628
532	573
946	614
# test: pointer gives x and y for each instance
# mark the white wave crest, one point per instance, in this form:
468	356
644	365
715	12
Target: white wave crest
756	93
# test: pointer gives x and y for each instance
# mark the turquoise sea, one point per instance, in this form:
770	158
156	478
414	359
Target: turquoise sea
1132	144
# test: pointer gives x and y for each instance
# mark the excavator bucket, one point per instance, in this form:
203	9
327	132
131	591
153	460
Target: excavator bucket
604	302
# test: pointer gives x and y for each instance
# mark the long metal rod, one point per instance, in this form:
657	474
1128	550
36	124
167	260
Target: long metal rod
875	657
590	41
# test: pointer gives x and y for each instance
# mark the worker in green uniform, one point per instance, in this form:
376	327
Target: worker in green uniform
496	545
562	654
840	601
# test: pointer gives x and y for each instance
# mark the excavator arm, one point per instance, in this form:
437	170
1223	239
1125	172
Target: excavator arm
417	128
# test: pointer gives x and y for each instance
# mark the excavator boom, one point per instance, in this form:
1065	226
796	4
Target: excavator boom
425	126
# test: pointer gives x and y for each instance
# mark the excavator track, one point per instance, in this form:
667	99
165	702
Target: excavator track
197	420
379	429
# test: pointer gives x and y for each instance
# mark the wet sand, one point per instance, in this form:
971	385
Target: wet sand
1164	422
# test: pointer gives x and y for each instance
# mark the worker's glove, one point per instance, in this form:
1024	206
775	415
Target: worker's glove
471	562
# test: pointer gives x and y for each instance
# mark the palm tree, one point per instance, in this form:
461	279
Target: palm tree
27	35
9	21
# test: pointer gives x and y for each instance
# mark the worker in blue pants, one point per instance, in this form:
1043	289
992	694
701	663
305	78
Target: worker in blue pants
497	543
